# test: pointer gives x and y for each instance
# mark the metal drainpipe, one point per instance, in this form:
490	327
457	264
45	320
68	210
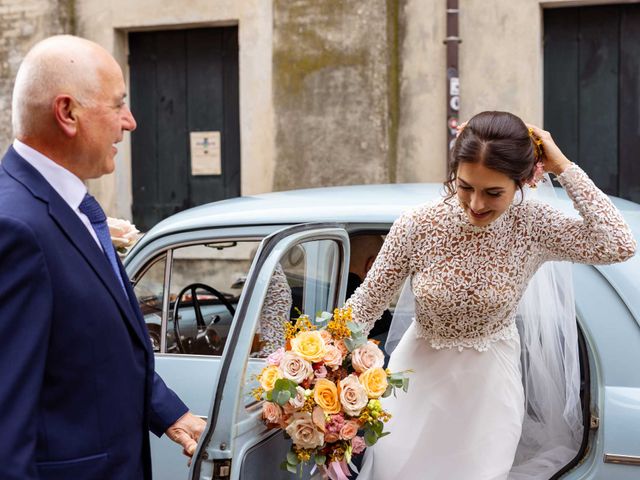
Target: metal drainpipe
453	82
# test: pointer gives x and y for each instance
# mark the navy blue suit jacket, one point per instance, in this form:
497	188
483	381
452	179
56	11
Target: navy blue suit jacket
78	391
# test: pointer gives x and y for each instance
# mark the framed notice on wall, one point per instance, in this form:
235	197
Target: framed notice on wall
205	153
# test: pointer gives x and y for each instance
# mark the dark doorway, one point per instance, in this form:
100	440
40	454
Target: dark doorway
184	93
592	91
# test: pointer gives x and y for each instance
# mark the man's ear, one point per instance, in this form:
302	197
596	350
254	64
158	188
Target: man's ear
65	112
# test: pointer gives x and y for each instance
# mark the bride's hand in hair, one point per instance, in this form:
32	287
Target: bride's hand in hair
553	158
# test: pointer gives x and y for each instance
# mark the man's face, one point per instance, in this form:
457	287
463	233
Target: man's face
102	124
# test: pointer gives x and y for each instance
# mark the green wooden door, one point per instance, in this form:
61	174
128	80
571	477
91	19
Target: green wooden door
183	83
592	91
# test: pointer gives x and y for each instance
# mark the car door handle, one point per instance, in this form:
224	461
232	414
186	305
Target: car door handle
622	459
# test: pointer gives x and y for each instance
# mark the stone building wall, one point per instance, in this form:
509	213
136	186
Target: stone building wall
335	101
22	24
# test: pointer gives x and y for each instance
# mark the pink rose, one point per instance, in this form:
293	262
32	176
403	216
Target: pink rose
353	395
358	445
299	400
275	358
320	372
295	368
271	412
367	356
335	424
349	430
303	432
333	357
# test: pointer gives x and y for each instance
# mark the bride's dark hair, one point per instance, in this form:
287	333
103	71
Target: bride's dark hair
501	141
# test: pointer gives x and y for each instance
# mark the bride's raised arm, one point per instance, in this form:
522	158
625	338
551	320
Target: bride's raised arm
600	236
386	275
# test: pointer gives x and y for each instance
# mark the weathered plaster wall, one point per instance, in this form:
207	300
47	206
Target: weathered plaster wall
108	24
22	24
331	90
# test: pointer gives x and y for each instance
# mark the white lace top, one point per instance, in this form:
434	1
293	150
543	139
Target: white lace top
468	280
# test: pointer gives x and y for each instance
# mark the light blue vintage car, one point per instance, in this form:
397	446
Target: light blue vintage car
202	279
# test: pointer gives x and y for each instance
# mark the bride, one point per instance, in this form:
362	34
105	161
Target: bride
470	258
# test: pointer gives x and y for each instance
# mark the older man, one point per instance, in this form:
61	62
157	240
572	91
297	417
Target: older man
78	391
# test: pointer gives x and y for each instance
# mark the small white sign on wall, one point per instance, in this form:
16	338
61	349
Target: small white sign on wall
205	153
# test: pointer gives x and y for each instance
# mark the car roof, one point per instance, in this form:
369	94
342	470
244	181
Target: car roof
366	204
346	204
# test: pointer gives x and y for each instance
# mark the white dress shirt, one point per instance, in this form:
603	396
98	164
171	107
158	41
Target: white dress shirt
65	183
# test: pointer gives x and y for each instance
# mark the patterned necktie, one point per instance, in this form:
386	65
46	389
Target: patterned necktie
92	209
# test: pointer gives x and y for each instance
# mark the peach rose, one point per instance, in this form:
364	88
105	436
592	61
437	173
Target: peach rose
269	376
271	412
353	396
331	437
367	356
333	357
349	430
295	368
326	336
374	382
303	432
309	345
325	395
342	347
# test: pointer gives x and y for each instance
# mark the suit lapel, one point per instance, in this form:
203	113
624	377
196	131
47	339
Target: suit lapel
76	233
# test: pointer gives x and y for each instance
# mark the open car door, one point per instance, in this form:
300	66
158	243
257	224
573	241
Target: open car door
314	259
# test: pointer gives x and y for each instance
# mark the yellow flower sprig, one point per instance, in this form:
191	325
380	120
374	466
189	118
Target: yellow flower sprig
303	454
337	327
257	393
302	324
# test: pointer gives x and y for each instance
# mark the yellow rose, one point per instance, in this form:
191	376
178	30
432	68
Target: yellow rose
269	376
374	382
325	395
309	345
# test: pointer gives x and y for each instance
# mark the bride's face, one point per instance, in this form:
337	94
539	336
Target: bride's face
484	194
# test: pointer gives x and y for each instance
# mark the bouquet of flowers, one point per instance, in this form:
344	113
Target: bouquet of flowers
323	389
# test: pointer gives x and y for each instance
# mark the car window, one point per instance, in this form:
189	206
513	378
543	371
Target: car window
149	291
205	286
304	281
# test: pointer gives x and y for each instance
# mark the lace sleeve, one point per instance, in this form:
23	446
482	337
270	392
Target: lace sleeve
275	312
390	268
600	236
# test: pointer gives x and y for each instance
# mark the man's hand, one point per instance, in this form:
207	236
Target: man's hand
186	431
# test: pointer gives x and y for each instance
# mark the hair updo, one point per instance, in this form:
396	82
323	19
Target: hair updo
499	140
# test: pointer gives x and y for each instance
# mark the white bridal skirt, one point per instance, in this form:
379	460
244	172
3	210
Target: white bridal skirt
461	418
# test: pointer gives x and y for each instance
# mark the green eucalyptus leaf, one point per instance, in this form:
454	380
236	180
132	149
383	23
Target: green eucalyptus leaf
292	468
377	427
282	397
320	459
355	327
370	438
292	458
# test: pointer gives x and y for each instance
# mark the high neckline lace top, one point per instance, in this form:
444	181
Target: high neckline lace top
468	280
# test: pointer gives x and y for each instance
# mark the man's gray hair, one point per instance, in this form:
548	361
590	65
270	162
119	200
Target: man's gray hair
62	64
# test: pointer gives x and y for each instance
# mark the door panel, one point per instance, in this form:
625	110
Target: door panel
182	81
235	431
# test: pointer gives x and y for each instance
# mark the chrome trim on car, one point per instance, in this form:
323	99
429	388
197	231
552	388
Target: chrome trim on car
166	300
622	459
